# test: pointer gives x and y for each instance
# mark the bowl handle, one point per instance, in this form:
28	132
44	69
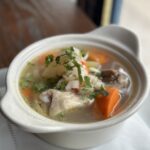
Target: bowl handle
12	111
121	35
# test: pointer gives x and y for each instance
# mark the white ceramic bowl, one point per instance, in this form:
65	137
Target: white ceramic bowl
114	39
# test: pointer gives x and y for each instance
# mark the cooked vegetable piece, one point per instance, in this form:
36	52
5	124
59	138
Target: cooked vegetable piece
41	59
118	78
105	105
27	92
53	70
100	58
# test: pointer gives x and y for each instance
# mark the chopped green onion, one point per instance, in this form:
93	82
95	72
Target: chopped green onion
87	81
79	70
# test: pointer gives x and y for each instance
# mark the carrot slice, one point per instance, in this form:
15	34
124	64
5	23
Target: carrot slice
105	105
84	63
27	92
98	57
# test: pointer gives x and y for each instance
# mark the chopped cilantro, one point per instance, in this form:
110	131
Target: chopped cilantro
39	87
69	50
49	59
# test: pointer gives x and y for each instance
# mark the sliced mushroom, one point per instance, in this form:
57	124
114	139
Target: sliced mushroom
109	75
118	78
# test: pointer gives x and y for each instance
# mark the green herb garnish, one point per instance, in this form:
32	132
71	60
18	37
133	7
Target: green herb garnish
39	87
87	82
49	59
69	51
85	92
26	81
76	64
61	86
101	91
68	67
83	53
60	116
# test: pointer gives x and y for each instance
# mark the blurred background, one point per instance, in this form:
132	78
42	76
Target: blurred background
131	14
23	22
135	16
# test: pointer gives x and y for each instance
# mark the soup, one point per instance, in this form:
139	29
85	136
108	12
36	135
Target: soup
75	85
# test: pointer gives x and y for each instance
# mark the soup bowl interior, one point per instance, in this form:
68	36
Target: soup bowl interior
15	108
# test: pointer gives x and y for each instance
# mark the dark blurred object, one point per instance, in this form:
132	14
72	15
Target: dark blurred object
25	21
102	12
93	8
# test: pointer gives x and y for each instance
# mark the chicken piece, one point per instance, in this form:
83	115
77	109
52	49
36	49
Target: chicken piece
62	101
